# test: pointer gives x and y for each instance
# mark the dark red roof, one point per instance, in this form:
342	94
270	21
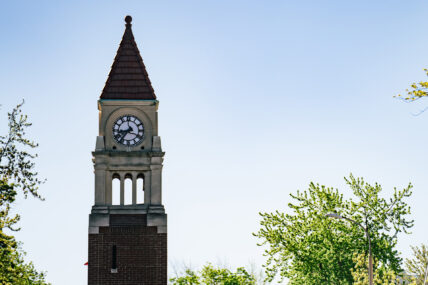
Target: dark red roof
128	78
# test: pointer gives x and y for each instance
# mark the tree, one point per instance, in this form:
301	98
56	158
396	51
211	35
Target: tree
307	247
417	266
214	276
16	175
417	90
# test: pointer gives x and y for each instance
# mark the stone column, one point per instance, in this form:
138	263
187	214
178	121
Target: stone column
156	185
147	187
122	189
109	188
100	178
134	188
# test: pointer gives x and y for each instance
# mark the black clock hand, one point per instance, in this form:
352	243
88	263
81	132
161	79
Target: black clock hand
121	137
124	133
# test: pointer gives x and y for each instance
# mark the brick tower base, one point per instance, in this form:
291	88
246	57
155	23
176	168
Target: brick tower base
127	251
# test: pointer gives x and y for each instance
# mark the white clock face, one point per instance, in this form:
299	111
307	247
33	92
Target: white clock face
128	130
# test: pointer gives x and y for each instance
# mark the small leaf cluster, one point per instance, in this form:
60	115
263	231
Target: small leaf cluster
381	276
416	267
416	91
211	275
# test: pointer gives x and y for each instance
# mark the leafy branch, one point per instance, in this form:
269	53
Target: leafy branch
16	161
417	90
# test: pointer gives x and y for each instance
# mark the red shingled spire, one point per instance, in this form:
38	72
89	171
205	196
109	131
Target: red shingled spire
128	78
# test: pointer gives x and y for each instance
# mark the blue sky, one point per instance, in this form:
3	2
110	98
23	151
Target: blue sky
257	99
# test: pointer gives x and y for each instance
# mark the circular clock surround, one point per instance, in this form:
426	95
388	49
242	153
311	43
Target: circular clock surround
128	130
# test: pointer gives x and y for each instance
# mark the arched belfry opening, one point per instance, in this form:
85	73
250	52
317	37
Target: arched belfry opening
127	190
115	189
140	189
128	223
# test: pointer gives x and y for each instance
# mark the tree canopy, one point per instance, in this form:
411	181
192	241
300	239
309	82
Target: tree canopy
214	276
306	247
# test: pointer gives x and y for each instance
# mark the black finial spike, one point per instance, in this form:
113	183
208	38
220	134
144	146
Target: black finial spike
128	20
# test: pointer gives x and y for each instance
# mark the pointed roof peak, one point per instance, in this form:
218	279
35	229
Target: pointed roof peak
128	25
128	78
128	20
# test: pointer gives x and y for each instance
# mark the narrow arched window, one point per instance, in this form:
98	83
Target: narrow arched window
113	259
128	189
140	188
116	189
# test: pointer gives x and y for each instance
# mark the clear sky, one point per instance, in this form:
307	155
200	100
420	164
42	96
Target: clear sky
257	99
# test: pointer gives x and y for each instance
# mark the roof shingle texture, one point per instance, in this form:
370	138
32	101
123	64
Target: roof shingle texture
128	78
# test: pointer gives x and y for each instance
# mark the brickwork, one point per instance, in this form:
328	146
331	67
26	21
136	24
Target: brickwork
141	256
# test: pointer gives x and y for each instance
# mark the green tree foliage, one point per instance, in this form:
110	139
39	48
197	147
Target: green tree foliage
416	91
307	247
416	267
382	274
16	162
16	174
214	276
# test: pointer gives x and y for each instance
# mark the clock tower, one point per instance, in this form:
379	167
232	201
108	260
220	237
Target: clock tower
128	224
